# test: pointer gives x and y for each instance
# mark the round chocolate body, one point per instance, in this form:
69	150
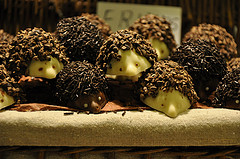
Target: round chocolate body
216	35
81	38
204	63
83	86
227	93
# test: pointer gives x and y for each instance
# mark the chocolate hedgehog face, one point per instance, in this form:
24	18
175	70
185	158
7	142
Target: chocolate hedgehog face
214	34
83	86
167	87
36	53
227	93
233	63
9	91
126	54
158	31
100	23
81	38
204	63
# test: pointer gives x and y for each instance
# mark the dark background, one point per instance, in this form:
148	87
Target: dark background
20	14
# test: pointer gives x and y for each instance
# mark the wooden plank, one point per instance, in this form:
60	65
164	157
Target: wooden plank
199	15
223	13
211	11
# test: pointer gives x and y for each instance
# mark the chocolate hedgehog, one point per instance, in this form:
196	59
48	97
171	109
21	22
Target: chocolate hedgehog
83	86
126	54
167	87
227	93
100	23
34	52
214	34
10	92
158	31
81	38
203	62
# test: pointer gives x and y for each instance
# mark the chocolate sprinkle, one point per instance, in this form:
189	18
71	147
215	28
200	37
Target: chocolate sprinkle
124	40
68	113
163	75
100	23
228	90
152	26
77	79
10	86
3	52
214	34
203	62
233	63
32	44
81	38
5	39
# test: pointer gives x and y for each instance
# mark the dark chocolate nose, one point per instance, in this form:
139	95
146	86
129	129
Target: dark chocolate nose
95	107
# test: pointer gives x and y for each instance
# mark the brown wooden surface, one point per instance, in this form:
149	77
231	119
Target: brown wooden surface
217	152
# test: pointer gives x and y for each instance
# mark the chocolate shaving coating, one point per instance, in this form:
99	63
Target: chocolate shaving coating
4	36
233	63
100	23
10	86
163	75
5	39
152	26
124	40
77	79
81	38
32	44
3	52
214	34
203	62
228	89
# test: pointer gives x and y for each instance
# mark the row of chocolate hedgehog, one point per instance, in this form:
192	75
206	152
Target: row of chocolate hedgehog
84	65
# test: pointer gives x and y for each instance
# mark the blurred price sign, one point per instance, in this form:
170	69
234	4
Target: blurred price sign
122	15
